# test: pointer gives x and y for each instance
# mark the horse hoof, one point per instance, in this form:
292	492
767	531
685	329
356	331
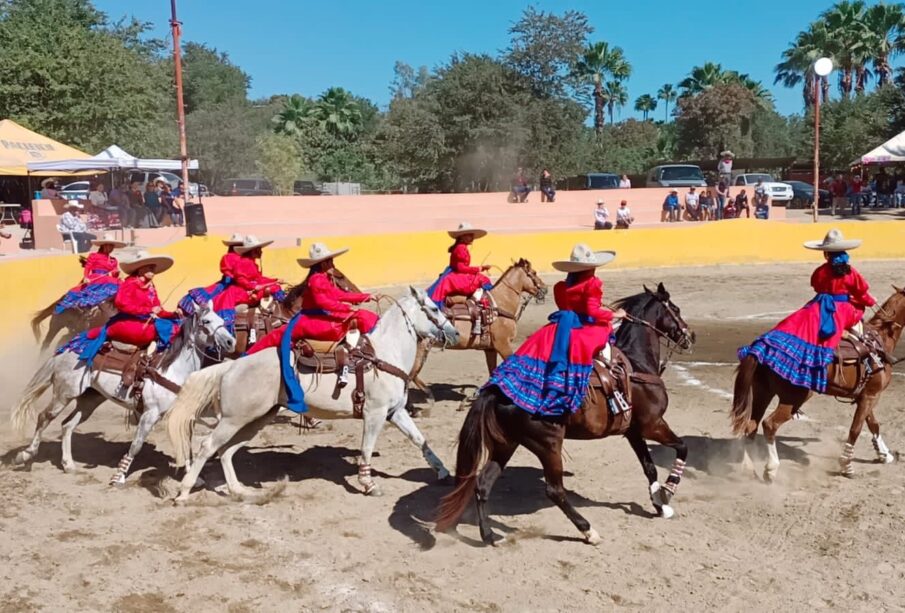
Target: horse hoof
494	540
22	458
180	500
886	459
69	468
118	481
373	491
591	537
769	476
666	511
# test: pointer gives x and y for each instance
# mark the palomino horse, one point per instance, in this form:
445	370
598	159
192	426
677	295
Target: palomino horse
510	295
249	393
756	386
72	379
495	427
74	321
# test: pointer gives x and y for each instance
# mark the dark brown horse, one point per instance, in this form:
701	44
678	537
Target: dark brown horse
495	427
756	386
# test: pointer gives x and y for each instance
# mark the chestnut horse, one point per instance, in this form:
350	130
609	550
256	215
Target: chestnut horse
494	427
756	386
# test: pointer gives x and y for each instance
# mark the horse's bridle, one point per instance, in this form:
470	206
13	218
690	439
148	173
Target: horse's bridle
430	317
523	300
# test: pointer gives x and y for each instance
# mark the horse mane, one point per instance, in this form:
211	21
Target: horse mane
186	331
339	279
635	304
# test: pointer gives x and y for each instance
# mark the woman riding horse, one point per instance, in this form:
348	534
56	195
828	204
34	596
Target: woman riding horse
549	373
801	346
100	279
461	278
325	314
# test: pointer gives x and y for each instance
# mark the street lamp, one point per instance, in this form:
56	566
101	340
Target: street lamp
822	68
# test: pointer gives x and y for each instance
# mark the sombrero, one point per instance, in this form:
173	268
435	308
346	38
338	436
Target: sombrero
234	241
108	239
250	243
466	228
44	182
727	153
583	258
834	241
73	204
319	252
141	259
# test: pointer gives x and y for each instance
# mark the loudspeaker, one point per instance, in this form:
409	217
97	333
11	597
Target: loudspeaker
195	224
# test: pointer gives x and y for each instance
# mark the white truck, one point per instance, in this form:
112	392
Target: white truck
780	193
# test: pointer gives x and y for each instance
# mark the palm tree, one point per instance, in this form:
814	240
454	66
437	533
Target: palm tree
598	62
845	23
762	95
886	26
667	94
338	112
616	97
704	77
797	66
291	118
646	105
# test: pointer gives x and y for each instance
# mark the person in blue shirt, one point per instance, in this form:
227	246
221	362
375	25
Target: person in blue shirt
671	207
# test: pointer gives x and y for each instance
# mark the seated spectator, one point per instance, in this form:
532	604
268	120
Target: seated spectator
706	204
624	182
519	189
692	205
152	201
172	211
547	193
141	216
72	225
730	212
101	205
119	197
741	204
671	207
761	206
624	216
49	190
602	217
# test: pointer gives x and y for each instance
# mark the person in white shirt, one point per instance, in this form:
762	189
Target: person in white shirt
98	197
624	182
624	216
602	217
49	190
72	224
724	166
692	210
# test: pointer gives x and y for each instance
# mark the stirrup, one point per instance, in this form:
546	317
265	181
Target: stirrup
151	348
478	294
618	403
352	338
252	335
343	379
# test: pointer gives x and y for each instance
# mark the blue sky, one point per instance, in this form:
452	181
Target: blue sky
301	46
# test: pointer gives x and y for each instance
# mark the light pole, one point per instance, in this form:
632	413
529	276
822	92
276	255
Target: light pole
822	68
180	104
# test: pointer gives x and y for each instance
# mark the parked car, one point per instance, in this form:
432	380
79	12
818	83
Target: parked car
142	177
245	187
803	195
590	180
676	175
307	188
780	193
76	191
203	190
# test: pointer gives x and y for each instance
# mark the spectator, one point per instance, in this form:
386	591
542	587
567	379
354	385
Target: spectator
141	215
624	216
49	190
72	224
761	203
706	204
119	197
724	168
730	212
519	188
839	189
692	205
722	193
900	194
98	196
171	210
741	204
885	188
547	193
671	206
152	201
624	182
854	194
602	217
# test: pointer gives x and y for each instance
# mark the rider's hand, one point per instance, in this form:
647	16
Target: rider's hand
156	310
619	314
486	267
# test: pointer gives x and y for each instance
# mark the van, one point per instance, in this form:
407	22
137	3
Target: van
676	175
591	180
245	187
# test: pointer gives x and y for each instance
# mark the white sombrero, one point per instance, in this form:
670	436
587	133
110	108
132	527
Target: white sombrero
466	228
727	154
73	204
141	259
108	239
234	241
46	181
250	243
319	252
583	258
834	241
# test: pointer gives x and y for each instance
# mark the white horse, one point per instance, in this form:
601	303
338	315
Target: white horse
72	379
250	391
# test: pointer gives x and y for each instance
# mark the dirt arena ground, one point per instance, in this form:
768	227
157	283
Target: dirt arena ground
812	540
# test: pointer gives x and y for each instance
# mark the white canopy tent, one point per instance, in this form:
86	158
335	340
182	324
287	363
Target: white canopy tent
890	152
111	158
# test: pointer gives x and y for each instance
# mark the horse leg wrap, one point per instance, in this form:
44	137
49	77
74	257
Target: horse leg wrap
121	469
672	481
883	454
364	478
434	461
845	460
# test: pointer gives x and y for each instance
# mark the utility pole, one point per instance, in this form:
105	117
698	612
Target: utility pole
180	104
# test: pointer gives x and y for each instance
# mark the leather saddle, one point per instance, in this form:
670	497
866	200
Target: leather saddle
253	318
134	365
608	377
855	353
465	309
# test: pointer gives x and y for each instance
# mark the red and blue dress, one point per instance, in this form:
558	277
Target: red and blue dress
100	283
459	278
548	375
801	346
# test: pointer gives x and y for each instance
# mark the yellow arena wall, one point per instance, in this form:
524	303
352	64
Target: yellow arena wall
392	259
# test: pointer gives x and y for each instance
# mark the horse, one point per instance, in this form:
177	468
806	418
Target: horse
249	393
494	427
72	379
756	386
74	321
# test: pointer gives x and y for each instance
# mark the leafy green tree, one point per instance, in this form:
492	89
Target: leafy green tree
407	82
886	26
291	117
210	78
626	147
599	62
615	96
646	104
278	159
414	144
338	112
715	119
667	94
845	23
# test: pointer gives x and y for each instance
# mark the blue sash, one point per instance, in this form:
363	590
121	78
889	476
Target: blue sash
163	327
827	304
565	321
435	284
295	396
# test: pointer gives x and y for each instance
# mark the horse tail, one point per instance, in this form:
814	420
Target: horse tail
197	393
476	440
41	316
742	395
25	408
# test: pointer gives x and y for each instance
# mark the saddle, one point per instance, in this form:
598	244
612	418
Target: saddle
134	365
856	352
340	359
608	377
467	310
252	324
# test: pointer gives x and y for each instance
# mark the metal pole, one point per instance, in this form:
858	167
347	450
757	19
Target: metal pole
817	146
180	104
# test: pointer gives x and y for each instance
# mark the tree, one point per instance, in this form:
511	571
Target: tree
797	65
616	96
292	116
406	81
210	78
338	111
667	94
715	119
598	62
847	35
886	25
278	159
545	47
414	144
646	104
627	147
702	78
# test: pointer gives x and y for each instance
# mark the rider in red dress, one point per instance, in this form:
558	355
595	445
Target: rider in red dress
549	373
326	313
460	278
100	278
801	346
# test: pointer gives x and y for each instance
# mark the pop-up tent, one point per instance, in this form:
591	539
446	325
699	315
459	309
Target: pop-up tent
111	158
20	146
890	152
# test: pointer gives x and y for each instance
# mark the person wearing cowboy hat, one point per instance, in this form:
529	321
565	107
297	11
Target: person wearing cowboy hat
201	295
72	224
49	189
461	278
548	375
326	314
801	346
100	279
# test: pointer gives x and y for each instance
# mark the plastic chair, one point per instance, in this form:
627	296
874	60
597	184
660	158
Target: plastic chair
74	244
